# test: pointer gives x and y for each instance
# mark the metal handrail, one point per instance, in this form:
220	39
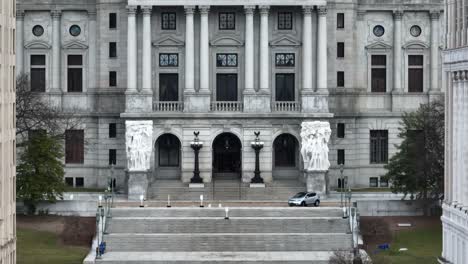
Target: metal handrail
102	216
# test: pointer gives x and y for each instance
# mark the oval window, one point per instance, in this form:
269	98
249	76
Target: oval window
415	31
38	30
379	31
75	30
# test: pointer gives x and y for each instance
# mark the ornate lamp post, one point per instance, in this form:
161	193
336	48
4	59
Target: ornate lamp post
196	145
257	145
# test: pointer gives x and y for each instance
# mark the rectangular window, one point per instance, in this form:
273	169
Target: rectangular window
112	20
79	182
378	146
226	87
112	130
112	156
74	146
415	73
112	78
168	87
75	73
340	79
340	20
340	130
285	87
285	20
379	73
373	182
383	182
226	60
340	49
112	50
38	73
168	60
227	21
69	181
341	156
168	20
285	59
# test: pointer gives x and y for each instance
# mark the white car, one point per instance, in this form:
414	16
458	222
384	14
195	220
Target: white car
304	199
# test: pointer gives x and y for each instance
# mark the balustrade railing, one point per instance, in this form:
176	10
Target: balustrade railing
168	106
286	106
227	106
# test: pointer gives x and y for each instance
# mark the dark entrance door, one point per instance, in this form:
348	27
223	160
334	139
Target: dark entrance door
226	156
168	87
226	87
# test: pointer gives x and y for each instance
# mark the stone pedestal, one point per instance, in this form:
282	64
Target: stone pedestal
257	102
138	102
316	182
197	102
196	185
137	184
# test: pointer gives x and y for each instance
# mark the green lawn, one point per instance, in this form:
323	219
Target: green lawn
424	246
39	247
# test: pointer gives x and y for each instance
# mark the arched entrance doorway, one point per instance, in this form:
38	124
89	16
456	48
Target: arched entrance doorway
286	157
167	157
227	163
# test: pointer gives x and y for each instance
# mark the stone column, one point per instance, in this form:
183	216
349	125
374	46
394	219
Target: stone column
19	41
397	66
307	49
146	57
454	132
204	50
92	50
322	68
189	50
56	84
264	50
435	52
464	132
249	49
131	50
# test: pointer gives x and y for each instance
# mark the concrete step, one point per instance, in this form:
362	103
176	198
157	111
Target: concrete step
228	257
173	225
226	241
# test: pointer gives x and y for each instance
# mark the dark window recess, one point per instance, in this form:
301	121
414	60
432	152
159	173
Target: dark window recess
340	20
340	49
169	151
226	87
378	146
112	156
415	73
168	20
340	79
168	87
74	146
69	181
112	49
226	60
285	20
285	147
112	130
227	20
379	73
285	59
38	73
112	20
285	87
373	182
383	182
75	73
340	130
341	156
112	78
168	60
79	182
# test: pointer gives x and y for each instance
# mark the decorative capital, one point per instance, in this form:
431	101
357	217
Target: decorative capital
397	14
249	10
360	14
204	10
434	14
147	10
131	10
56	14
322	10
189	10
307	10
264	9
19	14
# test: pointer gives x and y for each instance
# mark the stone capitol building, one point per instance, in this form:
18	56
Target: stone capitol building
227	70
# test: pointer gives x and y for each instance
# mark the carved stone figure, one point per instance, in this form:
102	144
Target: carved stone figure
315	136
138	138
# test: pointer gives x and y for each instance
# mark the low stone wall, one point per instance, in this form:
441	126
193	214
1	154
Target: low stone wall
65	208
390	208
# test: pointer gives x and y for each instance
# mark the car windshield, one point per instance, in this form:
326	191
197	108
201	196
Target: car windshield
299	195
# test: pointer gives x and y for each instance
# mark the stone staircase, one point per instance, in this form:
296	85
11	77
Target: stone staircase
203	235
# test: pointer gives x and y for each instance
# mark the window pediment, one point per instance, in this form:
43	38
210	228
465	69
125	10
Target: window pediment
285	41
382	46
416	45
168	42
38	44
226	41
74	45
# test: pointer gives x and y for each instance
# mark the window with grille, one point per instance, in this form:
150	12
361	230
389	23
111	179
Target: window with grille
340	79
285	20
112	50
227	20
168	60
112	130
112	156
168	20
79	182
38	73
226	60
340	49
74	146
340	20
379	73
415	73
340	130
373	182
341	156
285	59
69	181
378	146
75	73
112	20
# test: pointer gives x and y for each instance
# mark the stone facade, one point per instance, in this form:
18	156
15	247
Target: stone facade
455	75
7	133
256	39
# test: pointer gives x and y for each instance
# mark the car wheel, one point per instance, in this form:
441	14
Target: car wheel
303	204
317	203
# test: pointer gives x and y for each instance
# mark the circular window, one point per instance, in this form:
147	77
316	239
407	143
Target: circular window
415	31
75	30
379	31
38	30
